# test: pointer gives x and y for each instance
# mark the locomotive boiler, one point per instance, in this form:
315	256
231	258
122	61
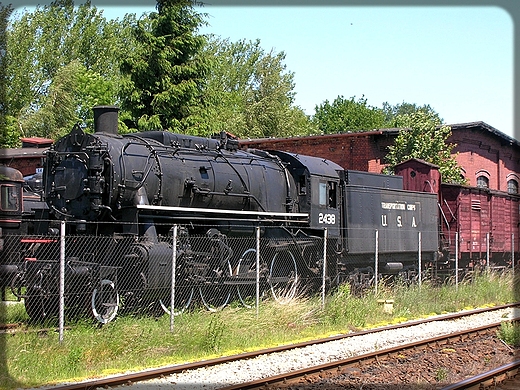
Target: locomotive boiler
104	176
126	201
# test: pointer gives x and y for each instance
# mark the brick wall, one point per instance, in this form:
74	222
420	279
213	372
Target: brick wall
359	151
25	165
26	160
482	150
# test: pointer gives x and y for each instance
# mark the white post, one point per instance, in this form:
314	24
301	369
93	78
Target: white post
257	270
420	260
174	265
513	252
457	260
487	251
376	257
325	235
62	281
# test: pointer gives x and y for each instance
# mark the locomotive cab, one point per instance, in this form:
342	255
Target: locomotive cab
318	185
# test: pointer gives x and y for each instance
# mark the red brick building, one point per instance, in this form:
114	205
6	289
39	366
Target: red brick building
28	158
487	156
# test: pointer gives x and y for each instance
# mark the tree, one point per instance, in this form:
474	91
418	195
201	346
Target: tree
347	115
73	92
422	136
56	111
42	43
392	112
249	92
5	12
165	73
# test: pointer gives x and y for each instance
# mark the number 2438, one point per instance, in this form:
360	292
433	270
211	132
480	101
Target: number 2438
328	219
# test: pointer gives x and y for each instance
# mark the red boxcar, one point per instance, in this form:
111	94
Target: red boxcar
486	221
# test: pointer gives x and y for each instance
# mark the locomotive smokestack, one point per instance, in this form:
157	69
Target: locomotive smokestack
105	119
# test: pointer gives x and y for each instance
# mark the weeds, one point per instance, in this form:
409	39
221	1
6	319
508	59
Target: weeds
212	340
509	333
441	374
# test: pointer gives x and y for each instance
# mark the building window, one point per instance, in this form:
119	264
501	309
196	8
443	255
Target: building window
512	186
482	182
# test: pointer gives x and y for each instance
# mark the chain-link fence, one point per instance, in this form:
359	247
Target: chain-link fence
65	276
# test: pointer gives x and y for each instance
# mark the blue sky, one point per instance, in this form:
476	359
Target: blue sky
459	60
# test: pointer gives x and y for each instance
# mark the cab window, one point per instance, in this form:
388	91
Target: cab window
302	185
327	194
323	194
332	194
10	200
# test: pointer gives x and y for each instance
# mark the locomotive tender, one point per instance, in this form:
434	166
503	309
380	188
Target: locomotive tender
131	190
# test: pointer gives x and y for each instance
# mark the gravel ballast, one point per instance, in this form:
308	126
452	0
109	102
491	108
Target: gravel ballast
214	377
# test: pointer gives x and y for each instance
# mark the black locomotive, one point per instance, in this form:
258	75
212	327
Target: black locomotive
122	199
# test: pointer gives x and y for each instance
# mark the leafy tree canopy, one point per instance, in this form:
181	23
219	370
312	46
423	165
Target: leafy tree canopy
393	112
249	92
165	72
59	110
65	59
5	12
424	137
57	56
347	115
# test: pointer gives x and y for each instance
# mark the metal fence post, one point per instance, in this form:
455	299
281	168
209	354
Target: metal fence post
376	257
62	281
257	270
174	265
456	260
420	260
513	252
487	251
325	235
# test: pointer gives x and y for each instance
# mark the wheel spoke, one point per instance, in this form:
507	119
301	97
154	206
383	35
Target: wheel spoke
182	301
41	300
105	301
283	276
246	278
214	293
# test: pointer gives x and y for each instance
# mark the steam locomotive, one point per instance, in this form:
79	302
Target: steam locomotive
124	202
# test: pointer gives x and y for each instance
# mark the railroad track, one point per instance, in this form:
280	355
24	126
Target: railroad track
4	328
319	377
128	379
20	327
506	377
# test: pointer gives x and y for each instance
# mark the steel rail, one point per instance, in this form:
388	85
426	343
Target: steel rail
488	378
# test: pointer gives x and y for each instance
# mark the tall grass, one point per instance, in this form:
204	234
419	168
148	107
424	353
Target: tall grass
36	357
